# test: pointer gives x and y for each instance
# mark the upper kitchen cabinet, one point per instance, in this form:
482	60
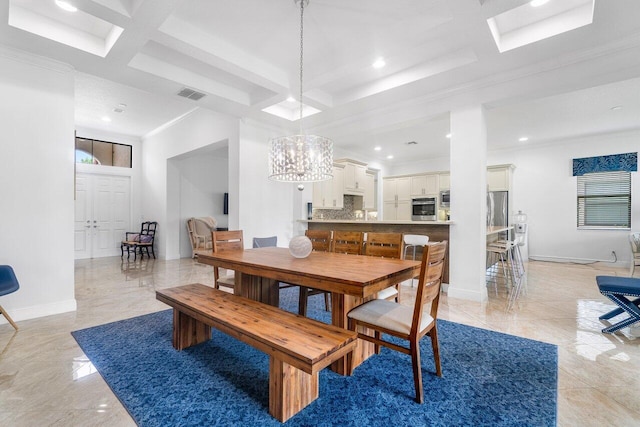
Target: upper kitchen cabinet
423	185
444	181
499	177
355	175
330	194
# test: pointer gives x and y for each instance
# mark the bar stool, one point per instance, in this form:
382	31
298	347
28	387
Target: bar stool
507	254
413	241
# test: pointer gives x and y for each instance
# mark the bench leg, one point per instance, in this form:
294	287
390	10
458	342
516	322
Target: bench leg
188	331
290	389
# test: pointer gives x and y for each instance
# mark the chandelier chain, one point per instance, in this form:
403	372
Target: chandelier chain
301	56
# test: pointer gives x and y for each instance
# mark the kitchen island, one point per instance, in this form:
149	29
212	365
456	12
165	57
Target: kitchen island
436	230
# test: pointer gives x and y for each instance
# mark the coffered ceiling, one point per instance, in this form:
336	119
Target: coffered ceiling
563	65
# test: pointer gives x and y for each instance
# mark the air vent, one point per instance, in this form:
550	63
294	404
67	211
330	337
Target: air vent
412	143
190	93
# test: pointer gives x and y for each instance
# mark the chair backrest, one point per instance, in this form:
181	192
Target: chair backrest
634	240
227	241
8	281
203	228
265	242
429	282
348	242
386	245
148	228
320	239
223	241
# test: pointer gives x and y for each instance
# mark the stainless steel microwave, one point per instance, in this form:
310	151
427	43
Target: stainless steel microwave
444	199
423	209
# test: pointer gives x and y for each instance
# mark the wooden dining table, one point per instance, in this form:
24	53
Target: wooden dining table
351	279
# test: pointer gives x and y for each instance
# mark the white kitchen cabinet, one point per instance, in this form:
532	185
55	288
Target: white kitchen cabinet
499	177
423	185
354	177
444	181
369	198
396	193
330	194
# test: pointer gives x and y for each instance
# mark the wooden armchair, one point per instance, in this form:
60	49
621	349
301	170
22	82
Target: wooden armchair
320	241
139	241
386	245
226	241
408	323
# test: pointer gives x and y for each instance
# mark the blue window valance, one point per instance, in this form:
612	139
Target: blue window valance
627	162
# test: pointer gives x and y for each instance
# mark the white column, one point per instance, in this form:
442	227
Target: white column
467	247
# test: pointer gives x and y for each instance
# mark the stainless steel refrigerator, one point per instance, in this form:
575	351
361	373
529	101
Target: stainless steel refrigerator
497	208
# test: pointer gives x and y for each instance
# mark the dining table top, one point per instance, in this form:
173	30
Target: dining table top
357	275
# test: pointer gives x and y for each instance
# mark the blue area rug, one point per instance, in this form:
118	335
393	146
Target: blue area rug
489	379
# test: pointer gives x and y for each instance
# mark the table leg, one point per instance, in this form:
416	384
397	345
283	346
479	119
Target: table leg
340	306
257	288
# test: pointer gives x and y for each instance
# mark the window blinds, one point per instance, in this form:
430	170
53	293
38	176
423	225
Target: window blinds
604	200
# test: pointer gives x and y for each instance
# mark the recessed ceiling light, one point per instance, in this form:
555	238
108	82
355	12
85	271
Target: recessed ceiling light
523	139
448	136
536	3
118	110
389	157
377	148
616	108
65	5
121	105
291	99
106	119
379	63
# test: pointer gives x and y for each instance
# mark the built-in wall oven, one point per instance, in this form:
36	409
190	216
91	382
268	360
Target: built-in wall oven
424	209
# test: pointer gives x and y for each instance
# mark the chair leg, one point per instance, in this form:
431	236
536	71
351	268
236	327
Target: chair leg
351	325
327	304
433	334
417	369
302	302
398	289
6	315
122	253
378	336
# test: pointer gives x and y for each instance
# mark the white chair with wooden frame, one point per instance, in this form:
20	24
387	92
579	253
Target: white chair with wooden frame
226	241
386	245
408	323
321	242
634	241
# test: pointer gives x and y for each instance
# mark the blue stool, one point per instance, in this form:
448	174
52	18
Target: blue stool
617	289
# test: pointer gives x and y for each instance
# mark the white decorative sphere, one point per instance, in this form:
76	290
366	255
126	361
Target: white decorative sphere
300	246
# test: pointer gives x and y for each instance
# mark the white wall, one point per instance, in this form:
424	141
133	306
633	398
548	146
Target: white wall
544	189
161	179
36	183
204	178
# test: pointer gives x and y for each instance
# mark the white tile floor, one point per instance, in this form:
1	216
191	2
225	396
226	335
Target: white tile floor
45	380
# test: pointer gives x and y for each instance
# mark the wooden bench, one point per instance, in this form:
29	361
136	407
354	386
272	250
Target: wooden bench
298	347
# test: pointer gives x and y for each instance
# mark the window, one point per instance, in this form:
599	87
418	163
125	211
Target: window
604	200
102	153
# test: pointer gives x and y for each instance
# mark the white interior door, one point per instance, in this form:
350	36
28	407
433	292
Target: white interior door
102	212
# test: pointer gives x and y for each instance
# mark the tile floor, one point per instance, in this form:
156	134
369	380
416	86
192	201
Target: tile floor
45	380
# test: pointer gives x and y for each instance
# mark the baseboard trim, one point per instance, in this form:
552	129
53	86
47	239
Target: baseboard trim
467	294
43	310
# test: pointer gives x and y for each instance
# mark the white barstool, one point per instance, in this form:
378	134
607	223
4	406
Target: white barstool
413	241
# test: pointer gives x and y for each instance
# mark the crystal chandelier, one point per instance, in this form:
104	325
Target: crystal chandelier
301	158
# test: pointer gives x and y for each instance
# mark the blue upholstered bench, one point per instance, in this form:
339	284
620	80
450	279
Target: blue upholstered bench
617	289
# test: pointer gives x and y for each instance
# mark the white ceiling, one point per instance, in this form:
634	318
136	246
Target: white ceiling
440	54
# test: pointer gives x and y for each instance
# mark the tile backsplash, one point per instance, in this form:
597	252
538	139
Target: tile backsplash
347	212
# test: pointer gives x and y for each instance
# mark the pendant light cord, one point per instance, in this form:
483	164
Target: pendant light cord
301	56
